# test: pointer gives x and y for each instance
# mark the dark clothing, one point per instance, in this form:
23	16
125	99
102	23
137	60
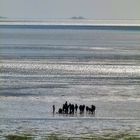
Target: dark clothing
53	108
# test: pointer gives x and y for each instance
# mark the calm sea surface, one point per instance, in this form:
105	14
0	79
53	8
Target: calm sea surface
42	67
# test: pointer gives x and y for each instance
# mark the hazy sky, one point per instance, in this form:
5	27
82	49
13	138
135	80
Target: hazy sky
93	9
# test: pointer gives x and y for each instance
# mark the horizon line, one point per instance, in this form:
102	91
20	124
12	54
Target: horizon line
70	22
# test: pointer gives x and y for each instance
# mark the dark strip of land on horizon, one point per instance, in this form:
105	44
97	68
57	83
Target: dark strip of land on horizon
88	27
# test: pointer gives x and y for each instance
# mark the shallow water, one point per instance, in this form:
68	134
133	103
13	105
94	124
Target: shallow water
42	67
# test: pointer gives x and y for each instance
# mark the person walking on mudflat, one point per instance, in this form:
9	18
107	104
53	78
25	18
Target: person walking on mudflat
53	109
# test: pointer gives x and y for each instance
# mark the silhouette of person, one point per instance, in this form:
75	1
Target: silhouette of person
60	111
76	107
53	109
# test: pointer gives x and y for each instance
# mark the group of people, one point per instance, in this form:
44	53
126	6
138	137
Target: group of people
68	108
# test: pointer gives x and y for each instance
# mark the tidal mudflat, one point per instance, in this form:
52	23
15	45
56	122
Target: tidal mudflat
40	67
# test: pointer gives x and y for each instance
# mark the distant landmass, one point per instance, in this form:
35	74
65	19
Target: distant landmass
78	21
79	17
2	17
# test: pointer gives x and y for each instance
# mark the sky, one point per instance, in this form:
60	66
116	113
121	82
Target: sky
61	9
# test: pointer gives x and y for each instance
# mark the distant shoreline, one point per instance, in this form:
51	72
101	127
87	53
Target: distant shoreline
70	22
88	27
